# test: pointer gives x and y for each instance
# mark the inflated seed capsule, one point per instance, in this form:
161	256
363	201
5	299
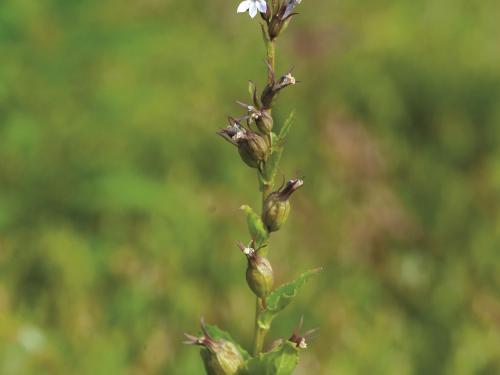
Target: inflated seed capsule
272	90
264	122
263	119
252	147
220	357
259	273
277	205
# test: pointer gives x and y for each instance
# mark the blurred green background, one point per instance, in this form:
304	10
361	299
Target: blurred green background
119	204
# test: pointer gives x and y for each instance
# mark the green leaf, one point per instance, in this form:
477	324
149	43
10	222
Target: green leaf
285	129
272	164
255	226
280	361
265	35
251	89
282	296
216	333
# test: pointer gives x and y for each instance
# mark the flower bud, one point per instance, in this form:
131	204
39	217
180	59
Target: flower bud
277	205
281	17
253	148
259	274
220	357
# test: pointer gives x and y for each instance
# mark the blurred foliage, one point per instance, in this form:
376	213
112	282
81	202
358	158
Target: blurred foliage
119	205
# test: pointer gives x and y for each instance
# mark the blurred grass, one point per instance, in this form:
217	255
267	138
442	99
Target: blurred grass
119	205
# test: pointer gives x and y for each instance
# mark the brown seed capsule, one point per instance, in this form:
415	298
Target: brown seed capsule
277	205
271	91
263	119
252	147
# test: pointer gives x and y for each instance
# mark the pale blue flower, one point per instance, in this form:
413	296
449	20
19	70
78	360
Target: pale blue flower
290	6
253	7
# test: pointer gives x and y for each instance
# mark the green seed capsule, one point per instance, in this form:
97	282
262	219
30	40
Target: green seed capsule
264	122
260	276
277	205
220	357
253	149
275	212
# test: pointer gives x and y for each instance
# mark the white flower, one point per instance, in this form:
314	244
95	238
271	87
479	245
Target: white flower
253	6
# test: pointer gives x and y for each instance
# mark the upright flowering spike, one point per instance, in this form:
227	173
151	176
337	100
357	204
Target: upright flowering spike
253	148
277	205
259	274
220	357
253	7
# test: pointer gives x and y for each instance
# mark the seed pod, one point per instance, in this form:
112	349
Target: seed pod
220	357
252	147
264	122
259	273
277	205
263	119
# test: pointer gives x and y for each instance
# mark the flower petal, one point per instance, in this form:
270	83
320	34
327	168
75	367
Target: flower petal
253	9
243	7
262	6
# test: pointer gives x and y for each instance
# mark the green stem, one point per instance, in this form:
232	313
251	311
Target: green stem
260	333
271	57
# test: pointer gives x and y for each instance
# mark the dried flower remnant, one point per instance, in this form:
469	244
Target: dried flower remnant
262	118
272	90
301	340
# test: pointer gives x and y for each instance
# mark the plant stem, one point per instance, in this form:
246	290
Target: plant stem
260	333
271	57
